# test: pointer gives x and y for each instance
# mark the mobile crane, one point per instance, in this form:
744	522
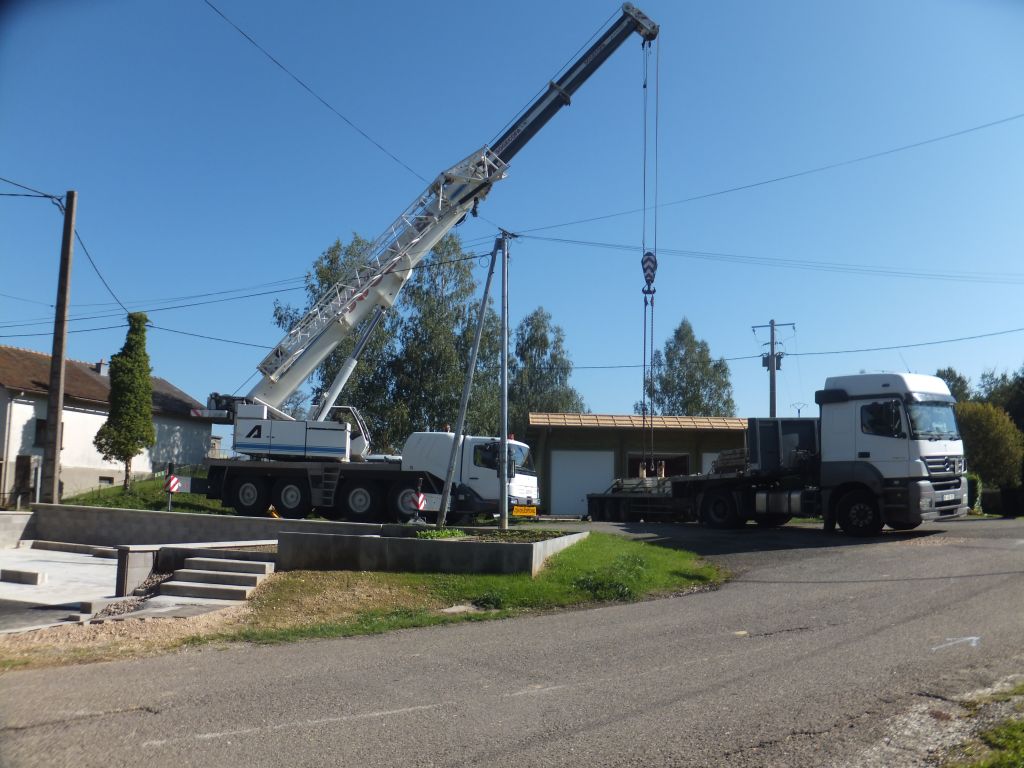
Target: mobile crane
300	465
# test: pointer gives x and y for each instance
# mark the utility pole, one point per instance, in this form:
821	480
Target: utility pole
55	400
772	361
503	442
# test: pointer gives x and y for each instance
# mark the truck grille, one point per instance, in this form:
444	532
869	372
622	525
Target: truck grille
944	467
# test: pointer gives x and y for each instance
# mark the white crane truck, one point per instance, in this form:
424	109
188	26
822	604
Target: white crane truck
885	451
320	464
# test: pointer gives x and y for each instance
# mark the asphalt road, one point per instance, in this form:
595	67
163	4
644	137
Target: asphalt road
804	659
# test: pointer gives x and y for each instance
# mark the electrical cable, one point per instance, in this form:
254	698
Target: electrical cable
104	315
29	189
209	338
789	176
819	266
28	301
50	333
313	93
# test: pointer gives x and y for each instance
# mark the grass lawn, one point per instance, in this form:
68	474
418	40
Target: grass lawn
601	568
148	494
1003	747
297	605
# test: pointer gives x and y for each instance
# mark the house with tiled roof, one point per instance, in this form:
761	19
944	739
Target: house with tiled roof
580	453
24	385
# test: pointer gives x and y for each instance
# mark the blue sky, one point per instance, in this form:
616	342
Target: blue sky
201	167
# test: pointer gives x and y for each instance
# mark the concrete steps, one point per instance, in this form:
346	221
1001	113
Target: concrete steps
217	578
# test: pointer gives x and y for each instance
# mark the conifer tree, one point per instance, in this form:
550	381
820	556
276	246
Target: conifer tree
129	426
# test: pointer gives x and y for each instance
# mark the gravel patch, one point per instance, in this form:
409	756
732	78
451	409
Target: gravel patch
941	730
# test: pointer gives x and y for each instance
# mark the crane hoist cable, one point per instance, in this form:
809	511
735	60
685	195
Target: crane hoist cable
649	264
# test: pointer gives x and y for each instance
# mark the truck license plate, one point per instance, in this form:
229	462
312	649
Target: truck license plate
948	496
523	511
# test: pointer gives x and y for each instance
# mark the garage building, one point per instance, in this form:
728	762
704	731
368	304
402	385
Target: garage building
580	453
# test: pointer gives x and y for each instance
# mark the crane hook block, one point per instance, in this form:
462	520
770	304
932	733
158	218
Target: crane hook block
649	264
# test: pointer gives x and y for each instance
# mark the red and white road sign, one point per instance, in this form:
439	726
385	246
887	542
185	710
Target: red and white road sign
421	502
172	484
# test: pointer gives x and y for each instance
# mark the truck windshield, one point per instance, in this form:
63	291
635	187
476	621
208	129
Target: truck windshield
933	421
522	457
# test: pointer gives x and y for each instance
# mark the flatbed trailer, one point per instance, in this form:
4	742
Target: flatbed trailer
886	451
726	499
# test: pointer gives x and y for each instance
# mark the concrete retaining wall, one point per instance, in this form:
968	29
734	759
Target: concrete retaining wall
15	526
312	551
112	527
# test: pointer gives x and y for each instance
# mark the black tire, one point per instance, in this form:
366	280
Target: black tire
402	501
291	497
858	515
718	510
904	526
250	495
772	521
360	502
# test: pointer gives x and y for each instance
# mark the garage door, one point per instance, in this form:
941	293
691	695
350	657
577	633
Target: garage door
574	474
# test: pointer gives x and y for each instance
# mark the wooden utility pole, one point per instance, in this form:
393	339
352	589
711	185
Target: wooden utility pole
55	400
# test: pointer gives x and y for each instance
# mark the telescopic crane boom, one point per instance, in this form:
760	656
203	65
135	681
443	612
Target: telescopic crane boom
445	202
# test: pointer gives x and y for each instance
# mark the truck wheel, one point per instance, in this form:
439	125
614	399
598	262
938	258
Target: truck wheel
402	501
291	497
250	495
360	502
772	521
719	510
857	513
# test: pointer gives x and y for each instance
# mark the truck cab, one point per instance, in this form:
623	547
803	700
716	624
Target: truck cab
891	452
476	470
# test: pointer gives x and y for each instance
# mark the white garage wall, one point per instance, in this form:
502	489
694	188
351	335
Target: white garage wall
574	474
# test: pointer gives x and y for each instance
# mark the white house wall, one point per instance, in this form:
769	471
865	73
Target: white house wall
182	441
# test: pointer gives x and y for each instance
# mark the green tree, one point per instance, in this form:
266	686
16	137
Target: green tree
411	372
539	372
687	381
992	443
369	388
439	312
129	425
1006	391
959	385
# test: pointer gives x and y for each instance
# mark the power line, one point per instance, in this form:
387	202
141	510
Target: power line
790	176
29	189
99	274
103	315
313	93
28	301
210	338
805	264
837	351
49	333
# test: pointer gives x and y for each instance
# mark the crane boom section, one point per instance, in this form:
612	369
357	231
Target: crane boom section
409	239
559	92
392	257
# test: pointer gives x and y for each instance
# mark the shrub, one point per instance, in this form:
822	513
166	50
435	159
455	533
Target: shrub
993	444
974	488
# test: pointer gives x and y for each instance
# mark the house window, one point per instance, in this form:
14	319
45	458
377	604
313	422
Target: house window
40	437
106	480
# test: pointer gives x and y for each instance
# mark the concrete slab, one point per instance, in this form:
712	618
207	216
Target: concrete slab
72	577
